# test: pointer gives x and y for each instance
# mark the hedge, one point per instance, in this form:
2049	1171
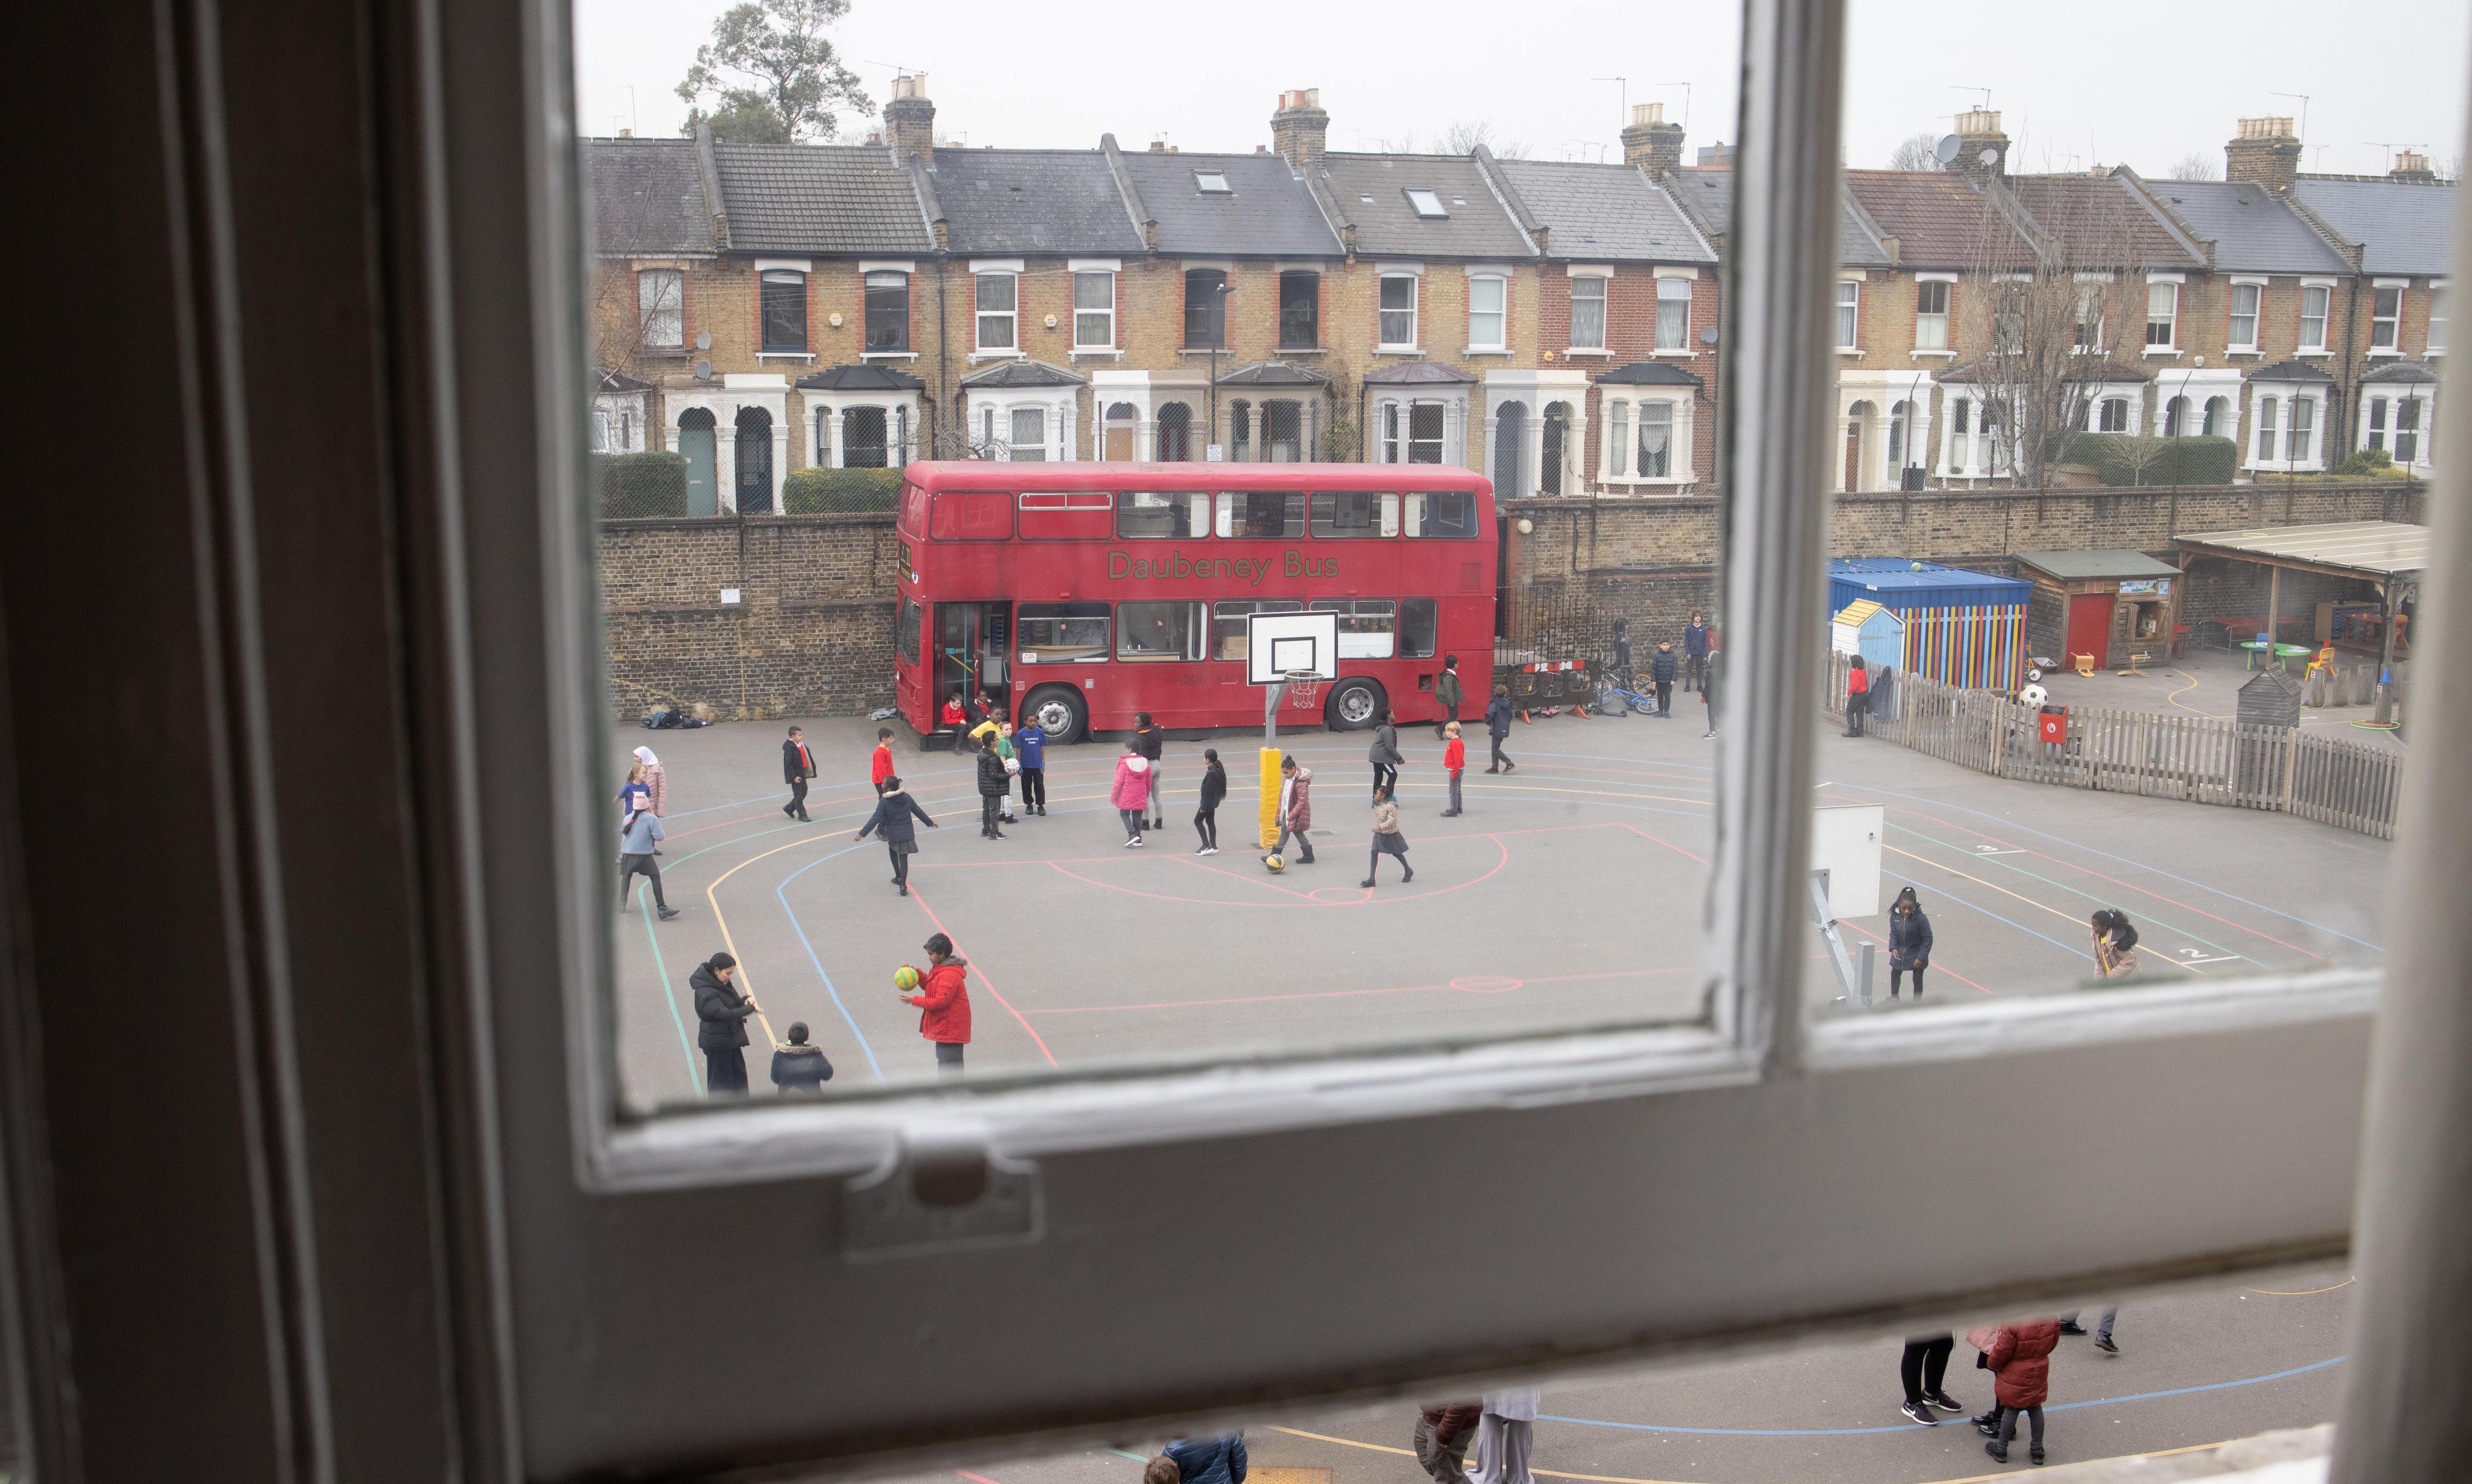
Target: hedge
840	491
2127	458
641	485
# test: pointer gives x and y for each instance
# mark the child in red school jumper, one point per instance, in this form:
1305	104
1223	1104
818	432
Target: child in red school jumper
1454	763
880	766
956	718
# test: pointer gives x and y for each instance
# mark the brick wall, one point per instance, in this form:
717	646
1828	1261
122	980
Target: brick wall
812	633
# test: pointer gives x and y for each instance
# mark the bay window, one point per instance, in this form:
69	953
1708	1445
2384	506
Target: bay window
1673	314
1397	327
1587	312
1489	298
997	297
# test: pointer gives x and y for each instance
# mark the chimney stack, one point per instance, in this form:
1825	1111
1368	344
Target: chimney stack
909	119
1982	149
1651	142
2411	165
2267	153
1300	129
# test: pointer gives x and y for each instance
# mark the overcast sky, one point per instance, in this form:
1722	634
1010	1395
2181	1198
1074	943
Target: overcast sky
2104	81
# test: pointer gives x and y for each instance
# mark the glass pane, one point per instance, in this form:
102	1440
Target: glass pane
1347	514
1159	631
1279	516
1054	634
1145	515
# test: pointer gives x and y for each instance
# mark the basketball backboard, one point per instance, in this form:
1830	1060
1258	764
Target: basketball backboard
1846	843
1278	646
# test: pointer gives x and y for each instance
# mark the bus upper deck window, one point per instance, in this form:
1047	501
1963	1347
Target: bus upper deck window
1153	515
1446	513
1270	515
1340	514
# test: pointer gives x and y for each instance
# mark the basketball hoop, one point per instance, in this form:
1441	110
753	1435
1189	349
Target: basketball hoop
1303	688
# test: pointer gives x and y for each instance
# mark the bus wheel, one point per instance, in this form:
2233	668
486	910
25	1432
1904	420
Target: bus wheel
1059	711
1353	705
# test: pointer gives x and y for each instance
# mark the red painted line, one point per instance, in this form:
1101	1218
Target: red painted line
1936	967
983	980
1248	877
1340	993
974	1478
1668	844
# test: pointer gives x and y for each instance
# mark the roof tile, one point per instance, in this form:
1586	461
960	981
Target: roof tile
817	197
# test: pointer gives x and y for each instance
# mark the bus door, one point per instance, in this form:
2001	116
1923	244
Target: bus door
970	640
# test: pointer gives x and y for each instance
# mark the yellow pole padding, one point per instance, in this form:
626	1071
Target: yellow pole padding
1270	797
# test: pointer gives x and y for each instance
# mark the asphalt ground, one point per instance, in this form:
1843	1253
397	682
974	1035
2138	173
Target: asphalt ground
1568	895
2194	1369
2204	683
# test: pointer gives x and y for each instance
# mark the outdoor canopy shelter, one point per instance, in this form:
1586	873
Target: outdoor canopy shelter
2387	552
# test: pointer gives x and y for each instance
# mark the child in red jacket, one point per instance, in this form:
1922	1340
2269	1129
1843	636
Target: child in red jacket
880	766
2018	1355
1454	763
944	1003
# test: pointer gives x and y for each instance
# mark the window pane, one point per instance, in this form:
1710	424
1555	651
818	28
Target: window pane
1299	311
1094	306
1447	514
864	438
1051	634
995	291
2304	420
784	297
1159	631
2313	318
660	307
1655	440
2407	443
1274	515
1398	326
1849	298
1618	440
1338	516
1028	434
1484	312
1205	309
1418	620
1426	423
1150	515
2244	320
888	311
2266	430
1365	625
1228	621
1587	314
906	636
1673	314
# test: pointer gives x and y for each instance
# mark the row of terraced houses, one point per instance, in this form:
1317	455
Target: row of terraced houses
763	308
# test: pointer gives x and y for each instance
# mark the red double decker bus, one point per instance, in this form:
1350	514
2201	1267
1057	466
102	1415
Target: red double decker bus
1082	592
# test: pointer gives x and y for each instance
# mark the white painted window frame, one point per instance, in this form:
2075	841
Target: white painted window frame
1845	316
1620	419
1624	1146
2325	315
2280	397
1674	286
1078	272
1946	313
1602	278
643	315
2401	289
1415	278
2170	345
1501	341
2257	288
980	315
2439	322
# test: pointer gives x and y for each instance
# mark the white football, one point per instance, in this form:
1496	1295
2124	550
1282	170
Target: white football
2033	696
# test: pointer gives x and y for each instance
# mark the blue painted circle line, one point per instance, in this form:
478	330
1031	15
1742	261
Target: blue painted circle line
1843	1432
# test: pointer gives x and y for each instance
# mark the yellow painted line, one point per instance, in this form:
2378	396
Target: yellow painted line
2175	696
2300	1293
2006	892
1616	1478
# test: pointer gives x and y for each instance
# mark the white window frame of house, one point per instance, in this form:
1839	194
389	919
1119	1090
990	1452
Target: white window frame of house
2255	289
2169	343
1626	422
1085	271
1600	278
1845	319
990	413
824	412
645	313
2438	326
1947	294
2277	416
2389	325
1416	280
2092	288
981	271
805	270
2324	289
1499	281
2112	413
1392	438
1645	1128
1674	287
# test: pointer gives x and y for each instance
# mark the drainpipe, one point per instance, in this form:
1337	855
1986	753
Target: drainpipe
944	352
2351	347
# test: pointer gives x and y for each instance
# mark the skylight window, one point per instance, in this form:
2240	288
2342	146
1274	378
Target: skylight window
1212	182
1428	205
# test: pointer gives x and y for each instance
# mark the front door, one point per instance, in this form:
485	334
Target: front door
696	446
2090	626
754	462
1120	443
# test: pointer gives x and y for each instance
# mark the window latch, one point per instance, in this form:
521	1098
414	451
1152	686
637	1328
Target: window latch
939	1189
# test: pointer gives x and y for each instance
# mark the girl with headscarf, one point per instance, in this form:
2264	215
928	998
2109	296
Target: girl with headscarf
658	780
1910	941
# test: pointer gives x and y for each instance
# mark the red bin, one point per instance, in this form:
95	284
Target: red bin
2055	723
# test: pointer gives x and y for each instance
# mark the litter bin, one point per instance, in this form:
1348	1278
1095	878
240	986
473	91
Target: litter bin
2054	725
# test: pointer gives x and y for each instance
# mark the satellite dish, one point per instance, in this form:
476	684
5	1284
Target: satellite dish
703	340
1945	151
1708	336
1988	155
704	370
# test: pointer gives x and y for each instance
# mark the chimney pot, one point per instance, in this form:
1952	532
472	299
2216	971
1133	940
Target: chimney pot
909	119
1300	130
1652	143
1158	147
1978	134
2412	166
625	133
2266	153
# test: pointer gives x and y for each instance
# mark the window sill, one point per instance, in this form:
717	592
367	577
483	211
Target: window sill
1203	350
1095	353
2317	351
977	356
1303	350
2243	350
1588	353
1934	355
1489	350
785	355
1850	350
1398	350
887	355
2162	350
1680	354
2386	355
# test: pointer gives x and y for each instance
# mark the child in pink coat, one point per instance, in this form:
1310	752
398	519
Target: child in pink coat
1131	793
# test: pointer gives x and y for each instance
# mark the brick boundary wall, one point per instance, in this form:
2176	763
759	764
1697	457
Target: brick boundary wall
812	634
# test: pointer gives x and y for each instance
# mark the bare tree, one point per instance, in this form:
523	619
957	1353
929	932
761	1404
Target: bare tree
1463	135
2055	289
1917	151
2197	165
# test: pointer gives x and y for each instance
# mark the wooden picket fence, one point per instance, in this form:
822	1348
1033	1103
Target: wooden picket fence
2334	780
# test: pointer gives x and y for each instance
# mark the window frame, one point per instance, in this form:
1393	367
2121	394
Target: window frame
1212	305
2170	323
768	316
1673	298
1500	313
2326	295
1927	290
1081	313
1602	286
871	311
981	313
1383	310
2434	344
2233	343
645	313
1310	310
1847	319
2385	327
1686	1104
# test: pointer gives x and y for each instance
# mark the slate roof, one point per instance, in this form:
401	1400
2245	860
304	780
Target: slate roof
2292	372
2101	221
2100	562
647	197
1274	373
1022	373
1709	196
2099	373
865	376
2401	371
818	199
2253	230
1605	212
1649	373
606	379
1012	201
1271	212
1388	227
1418	373
2401	227
1940	218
